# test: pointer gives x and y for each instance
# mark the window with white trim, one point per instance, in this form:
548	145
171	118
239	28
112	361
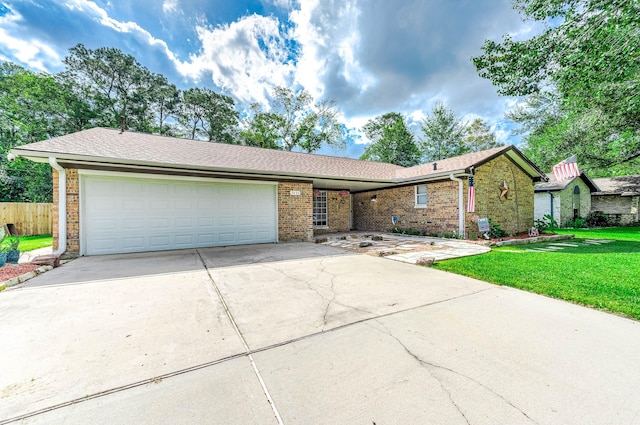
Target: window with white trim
320	208
421	196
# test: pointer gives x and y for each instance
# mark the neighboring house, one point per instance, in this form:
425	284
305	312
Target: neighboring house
564	200
118	192
618	198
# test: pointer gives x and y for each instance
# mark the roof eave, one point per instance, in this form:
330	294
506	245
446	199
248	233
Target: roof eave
40	156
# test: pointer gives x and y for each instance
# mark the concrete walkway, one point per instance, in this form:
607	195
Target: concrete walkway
303	334
26	257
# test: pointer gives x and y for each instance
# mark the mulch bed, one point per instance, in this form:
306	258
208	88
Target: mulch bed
10	271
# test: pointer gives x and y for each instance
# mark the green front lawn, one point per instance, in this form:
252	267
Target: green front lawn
603	276
616	233
29	243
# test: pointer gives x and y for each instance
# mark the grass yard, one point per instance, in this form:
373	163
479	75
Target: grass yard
29	243
605	276
617	233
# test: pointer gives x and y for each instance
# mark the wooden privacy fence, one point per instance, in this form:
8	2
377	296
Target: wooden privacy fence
29	219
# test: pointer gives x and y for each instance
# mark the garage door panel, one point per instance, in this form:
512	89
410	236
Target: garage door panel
264	236
159	223
206	239
226	221
133	242
159	241
245	221
122	214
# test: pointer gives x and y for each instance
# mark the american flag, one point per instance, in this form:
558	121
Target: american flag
471	199
566	169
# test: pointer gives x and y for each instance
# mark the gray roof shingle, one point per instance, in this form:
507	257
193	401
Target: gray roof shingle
113	146
553	184
622	185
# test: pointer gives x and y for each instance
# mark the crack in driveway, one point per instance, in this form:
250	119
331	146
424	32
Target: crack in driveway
429	366
309	283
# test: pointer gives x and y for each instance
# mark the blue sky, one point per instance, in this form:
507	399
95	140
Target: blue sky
369	56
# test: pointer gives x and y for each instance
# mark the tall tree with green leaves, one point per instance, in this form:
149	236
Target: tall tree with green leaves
294	121
589	55
33	107
116	84
443	134
208	115
164	99
478	136
262	128
391	141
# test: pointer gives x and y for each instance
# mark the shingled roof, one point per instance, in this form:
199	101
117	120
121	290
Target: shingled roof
554	185
111	146
622	185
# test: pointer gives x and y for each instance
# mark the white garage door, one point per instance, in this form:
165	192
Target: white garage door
135	214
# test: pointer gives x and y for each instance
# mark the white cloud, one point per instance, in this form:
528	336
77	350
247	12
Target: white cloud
170	6
28	51
284	4
101	16
246	58
329	38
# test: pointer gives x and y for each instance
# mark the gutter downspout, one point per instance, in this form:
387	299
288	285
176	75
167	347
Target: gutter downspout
551	206
62	206
460	204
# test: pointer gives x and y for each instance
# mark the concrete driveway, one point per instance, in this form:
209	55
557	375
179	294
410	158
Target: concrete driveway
303	334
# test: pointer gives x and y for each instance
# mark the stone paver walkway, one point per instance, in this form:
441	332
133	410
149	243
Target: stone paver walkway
553	247
405	248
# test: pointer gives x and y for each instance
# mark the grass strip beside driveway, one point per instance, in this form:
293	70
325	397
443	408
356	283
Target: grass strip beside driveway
29	243
601	276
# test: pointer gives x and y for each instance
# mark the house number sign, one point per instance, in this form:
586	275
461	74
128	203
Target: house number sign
294	192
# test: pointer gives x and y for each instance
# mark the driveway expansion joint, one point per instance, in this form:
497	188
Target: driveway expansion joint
244	343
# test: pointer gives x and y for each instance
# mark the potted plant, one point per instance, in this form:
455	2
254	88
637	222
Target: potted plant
13	254
3	256
3	253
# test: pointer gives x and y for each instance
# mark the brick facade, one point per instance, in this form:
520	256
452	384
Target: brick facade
73	212
567	199
295	212
338	213
514	212
440	214
622	209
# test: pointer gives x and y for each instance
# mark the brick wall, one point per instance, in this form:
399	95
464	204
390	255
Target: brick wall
338	214
623	209
440	214
73	212
514	213
565	197
295	212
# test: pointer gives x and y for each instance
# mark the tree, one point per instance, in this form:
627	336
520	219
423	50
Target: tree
444	134
294	121
478	136
33	107
392	142
164	100
116	84
209	115
262	129
588	56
